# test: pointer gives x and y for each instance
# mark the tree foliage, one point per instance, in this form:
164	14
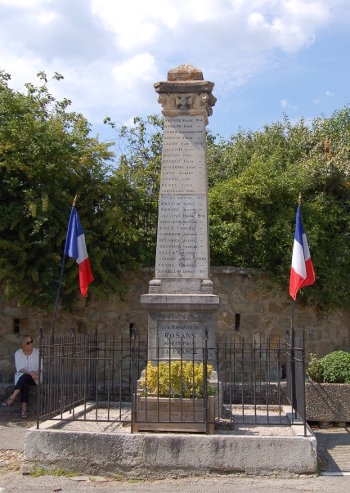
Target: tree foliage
140	153
46	157
254	194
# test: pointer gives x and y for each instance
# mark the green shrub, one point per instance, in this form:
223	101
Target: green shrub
336	367
332	368
315	370
186	380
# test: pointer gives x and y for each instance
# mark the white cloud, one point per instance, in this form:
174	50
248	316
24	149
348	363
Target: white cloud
138	22
287	104
140	68
111	52
288	24
45	17
285	24
23	4
328	94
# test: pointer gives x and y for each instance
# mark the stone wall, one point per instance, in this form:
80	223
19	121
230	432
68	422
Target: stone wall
249	306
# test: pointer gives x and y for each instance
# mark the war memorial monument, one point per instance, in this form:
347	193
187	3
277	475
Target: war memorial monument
180	301
181	305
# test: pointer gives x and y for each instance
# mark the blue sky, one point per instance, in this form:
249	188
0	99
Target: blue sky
266	57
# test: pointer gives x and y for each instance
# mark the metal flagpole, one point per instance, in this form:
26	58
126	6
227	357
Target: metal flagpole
292	354
293	301
59	283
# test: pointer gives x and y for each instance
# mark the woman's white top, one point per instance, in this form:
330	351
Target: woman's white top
29	363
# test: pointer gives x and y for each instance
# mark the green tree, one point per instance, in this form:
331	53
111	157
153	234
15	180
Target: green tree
253	202
46	157
140	153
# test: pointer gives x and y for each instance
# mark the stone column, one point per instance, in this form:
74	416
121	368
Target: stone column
180	301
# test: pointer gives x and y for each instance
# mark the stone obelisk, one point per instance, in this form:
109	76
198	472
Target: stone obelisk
180	301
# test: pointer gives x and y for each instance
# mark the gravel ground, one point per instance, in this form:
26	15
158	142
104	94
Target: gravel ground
255	423
12	480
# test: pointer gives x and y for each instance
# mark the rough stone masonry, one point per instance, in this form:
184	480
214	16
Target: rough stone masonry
180	301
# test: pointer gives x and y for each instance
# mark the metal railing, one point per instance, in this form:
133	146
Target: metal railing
104	378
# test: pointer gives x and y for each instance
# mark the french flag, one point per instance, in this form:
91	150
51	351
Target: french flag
75	247
302	272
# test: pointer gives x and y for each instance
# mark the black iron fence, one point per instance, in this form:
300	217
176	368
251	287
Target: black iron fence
119	379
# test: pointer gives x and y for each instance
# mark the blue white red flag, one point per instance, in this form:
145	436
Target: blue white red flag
75	247
302	272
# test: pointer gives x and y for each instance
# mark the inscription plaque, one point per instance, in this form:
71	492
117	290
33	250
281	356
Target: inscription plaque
182	238
179	337
184	155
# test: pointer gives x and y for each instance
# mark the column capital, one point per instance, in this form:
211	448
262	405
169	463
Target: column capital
186	93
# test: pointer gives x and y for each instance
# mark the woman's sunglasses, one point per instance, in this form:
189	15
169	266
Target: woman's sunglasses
29	342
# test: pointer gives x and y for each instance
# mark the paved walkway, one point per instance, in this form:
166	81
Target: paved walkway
12	427
333	448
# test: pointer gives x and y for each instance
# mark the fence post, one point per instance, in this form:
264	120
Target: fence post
218	364
292	373
94	364
133	383
38	400
71	377
303	379
205	380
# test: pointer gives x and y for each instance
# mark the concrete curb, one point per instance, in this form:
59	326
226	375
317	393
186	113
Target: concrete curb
159	454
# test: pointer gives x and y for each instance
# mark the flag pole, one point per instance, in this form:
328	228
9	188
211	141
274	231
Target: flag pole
60	282
292	354
293	301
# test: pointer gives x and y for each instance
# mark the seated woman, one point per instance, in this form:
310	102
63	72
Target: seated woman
27	368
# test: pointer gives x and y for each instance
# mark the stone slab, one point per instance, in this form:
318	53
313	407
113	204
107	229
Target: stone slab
180	300
158	455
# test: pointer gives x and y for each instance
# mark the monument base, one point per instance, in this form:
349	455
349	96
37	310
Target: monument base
178	325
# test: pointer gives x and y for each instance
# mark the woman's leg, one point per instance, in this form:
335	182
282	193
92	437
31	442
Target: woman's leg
23	384
11	399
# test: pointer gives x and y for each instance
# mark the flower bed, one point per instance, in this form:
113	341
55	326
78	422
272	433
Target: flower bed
171	398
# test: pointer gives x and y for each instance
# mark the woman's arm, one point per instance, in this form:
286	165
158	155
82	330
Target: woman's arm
20	361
